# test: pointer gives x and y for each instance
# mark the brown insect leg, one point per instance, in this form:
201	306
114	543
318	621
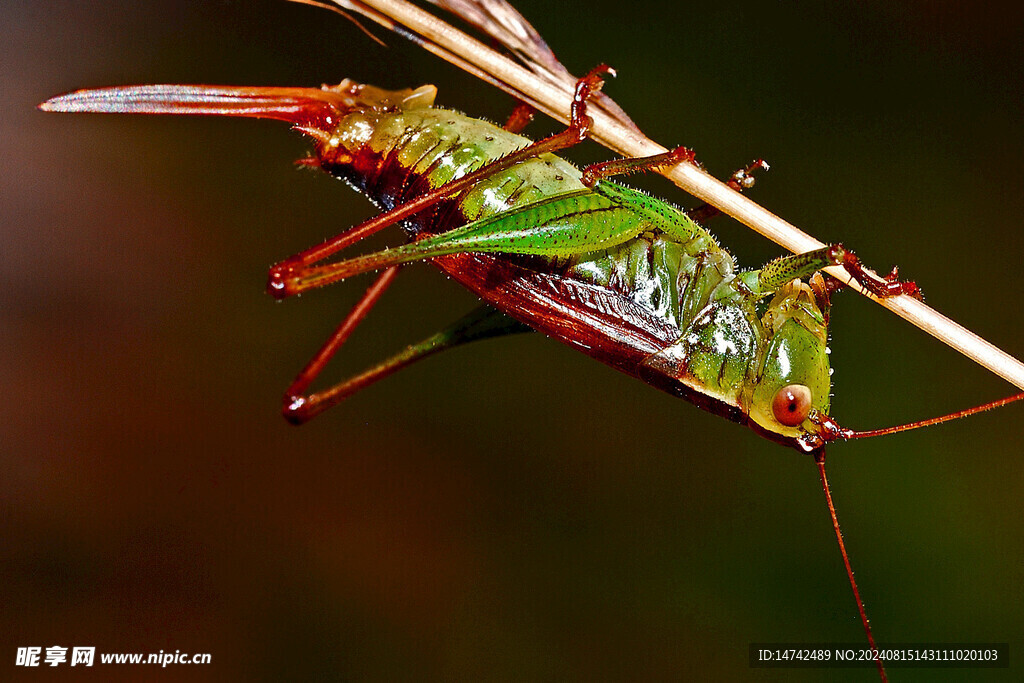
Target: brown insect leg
823	288
881	287
286	277
299	407
627	166
481	323
520	118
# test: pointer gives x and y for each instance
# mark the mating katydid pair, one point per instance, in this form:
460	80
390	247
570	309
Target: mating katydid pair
660	300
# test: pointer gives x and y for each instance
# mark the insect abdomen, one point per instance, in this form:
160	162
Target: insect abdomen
395	156
670	286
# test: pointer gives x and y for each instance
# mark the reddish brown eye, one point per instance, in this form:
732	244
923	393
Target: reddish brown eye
791	404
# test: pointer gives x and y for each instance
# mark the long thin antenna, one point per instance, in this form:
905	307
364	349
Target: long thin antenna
819	459
999	403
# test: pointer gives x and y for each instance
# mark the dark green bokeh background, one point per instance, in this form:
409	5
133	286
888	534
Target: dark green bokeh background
513	511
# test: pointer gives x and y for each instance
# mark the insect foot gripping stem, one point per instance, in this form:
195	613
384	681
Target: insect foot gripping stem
586	88
883	288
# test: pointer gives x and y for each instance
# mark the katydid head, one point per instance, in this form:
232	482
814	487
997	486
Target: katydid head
792	379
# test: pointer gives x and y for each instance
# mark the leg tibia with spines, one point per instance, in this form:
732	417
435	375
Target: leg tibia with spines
298	273
483	322
565	225
787	268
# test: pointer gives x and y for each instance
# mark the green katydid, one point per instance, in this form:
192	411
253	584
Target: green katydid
627	278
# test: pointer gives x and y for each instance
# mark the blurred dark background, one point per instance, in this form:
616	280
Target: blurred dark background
511	510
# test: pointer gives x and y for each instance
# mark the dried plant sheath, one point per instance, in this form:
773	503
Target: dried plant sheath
468	53
503	23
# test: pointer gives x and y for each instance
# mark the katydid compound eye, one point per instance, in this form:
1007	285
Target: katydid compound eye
791	404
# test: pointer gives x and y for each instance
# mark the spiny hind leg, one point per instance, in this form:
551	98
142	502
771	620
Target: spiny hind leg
562	225
292	275
299	406
787	268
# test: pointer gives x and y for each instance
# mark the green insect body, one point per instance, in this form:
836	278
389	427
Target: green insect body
625	277
741	339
